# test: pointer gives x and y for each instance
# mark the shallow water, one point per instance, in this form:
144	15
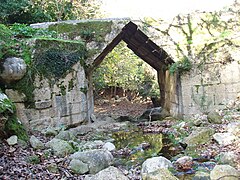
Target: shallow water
134	146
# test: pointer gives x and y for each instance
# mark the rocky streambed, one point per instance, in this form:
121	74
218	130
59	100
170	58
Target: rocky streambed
116	148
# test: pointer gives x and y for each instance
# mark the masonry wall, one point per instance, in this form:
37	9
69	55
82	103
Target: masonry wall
210	87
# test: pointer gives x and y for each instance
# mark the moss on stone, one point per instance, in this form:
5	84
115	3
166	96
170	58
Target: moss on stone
14	127
54	58
88	30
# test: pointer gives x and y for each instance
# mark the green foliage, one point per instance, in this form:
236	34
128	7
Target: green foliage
181	66
7	106
25	31
122	68
12	8
33	159
88	31
15	127
26	11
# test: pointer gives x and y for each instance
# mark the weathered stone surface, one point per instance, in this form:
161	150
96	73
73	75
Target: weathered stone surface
159	174
12	140
50	132
36	143
110	173
96	159
199	136
81	130
224	172
224	138
91	145
53	168
60	147
13	69
66	136
184	163
229	158
42	93
109	146
43	104
15	96
78	167
234	128
214	117
200	175
157	113
153	164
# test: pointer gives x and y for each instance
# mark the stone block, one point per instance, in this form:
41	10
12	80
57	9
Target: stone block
42	94
43	104
73	119
15	96
230	73
43	123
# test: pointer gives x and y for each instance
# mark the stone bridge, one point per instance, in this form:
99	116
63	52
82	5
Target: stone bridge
67	98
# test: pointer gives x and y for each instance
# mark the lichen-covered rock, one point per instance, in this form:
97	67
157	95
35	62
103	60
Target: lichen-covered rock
224	172
229	158
199	136
110	173
36	143
78	167
60	147
184	163
65	135
159	174
155	114
234	128
109	146
200	175
155	163
214	117
224	138
49	132
12	140
97	159
13	69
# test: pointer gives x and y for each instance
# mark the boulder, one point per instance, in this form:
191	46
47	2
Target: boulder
78	167
214	118
229	158
159	174
109	146
36	143
200	175
224	172
224	138
13	69
12	140
90	145
81	130
155	114
60	147
110	173
234	128
199	136
49	132
155	163
53	168
66	136
184	163
97	159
